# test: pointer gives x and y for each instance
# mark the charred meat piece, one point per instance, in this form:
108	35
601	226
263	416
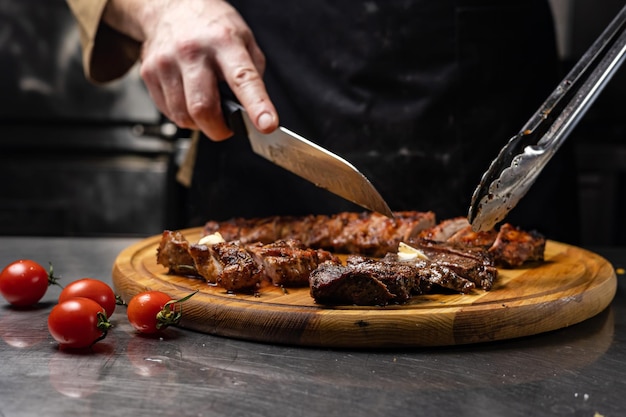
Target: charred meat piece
264	230
430	275
513	247
510	246
227	264
313	231
288	262
348	232
280	249
433	274
362	282
469	237
458	230
333	284
472	263
375	235
445	229
400	279
239	267
173	253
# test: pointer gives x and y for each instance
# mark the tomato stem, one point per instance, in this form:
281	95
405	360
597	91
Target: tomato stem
170	315
103	325
119	301
53	280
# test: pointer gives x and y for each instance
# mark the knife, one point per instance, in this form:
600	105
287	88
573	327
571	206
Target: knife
522	159
308	160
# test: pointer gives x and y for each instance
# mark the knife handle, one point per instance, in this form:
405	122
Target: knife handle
232	116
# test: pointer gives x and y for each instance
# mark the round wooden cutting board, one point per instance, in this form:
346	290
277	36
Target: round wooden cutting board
572	285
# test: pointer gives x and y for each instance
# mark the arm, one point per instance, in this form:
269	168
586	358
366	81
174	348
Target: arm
187	47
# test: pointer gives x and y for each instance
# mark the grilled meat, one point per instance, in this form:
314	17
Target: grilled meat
510	246
334	284
475	264
295	251
288	262
433	275
364	233
372	234
468	237
227	264
513	247
444	230
363	281
173	253
239	267
400	279
264	230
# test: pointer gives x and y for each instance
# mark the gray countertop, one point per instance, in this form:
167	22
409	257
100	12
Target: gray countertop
576	371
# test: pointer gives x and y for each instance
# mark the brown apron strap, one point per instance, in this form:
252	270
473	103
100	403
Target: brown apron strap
185	172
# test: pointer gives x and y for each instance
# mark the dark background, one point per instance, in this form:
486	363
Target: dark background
75	159
84	160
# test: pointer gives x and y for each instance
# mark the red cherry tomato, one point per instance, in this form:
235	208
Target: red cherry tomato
93	289
24	282
78	322
152	311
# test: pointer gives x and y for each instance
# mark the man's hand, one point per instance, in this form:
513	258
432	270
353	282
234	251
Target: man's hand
188	47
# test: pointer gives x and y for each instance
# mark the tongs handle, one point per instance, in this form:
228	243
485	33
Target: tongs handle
562	110
522	159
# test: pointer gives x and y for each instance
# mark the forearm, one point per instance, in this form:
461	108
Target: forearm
139	19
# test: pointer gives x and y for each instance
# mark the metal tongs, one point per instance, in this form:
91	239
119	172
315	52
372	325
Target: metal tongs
521	160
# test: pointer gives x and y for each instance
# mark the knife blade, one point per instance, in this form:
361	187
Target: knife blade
308	160
519	163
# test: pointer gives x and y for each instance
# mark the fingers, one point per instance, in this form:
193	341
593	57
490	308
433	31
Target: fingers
182	65
243	73
163	80
186	93
165	85
203	101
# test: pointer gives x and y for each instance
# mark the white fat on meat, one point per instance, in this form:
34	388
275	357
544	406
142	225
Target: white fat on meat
211	239
409	253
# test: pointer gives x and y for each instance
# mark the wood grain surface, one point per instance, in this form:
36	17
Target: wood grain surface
572	285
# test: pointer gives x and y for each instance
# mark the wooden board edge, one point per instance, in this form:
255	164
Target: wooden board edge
363	329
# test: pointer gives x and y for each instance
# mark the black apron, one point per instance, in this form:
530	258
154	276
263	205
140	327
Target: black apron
419	95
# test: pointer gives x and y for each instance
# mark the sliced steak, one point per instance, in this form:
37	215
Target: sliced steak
349	232
400	279
359	283
430	275
173	253
513	247
227	264
475	264
288	262
375	235
264	230
333	284
294	251
509	246
239	267
443	230
364	281
468	237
